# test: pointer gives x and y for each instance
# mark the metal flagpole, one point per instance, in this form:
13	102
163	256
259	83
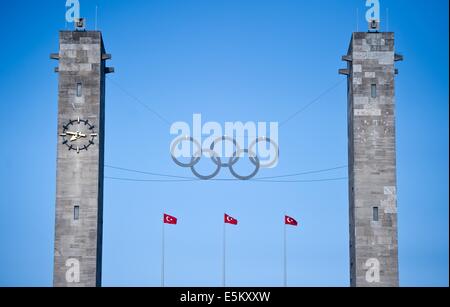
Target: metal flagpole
224	255
285	255
163	255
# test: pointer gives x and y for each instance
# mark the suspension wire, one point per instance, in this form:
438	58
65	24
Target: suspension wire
251	180
305	173
303	181
288	119
312	102
136	99
149	180
190	178
146	173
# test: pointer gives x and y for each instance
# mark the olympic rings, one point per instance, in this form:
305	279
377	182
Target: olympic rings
215	158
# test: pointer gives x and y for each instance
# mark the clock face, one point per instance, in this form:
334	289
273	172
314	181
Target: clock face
78	135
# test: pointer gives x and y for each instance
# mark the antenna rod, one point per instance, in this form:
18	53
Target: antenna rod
96	14
357	19
387	19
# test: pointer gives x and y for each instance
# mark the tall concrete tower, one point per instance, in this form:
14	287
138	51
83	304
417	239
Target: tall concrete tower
372	159
79	185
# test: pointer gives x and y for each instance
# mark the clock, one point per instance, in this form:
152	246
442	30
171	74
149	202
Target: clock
78	135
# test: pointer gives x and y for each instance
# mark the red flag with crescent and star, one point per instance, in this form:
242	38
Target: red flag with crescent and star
168	219
290	221
230	220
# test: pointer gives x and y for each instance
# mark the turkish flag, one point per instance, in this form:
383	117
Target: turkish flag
230	220
290	221
168	219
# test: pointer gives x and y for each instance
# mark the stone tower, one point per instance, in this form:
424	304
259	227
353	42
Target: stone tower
372	159
80	151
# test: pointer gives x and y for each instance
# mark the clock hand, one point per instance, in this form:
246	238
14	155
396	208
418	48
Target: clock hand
79	136
75	135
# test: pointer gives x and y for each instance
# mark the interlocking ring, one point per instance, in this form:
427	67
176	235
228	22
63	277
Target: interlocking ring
195	159
217	160
270	141
255	160
203	177
215	157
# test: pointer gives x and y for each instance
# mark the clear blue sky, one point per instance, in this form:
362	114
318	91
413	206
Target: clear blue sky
231	61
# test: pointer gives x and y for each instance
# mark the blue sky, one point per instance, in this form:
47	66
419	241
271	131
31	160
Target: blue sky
230	61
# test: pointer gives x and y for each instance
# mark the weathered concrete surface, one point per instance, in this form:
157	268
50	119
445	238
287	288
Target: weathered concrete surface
372	160
80	175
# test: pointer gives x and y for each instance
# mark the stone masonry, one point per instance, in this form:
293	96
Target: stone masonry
372	159
79	185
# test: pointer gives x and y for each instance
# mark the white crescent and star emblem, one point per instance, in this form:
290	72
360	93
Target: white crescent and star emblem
168	219
229	219
289	220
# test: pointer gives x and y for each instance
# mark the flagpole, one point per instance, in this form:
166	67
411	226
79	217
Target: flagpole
163	255
285	255
224	256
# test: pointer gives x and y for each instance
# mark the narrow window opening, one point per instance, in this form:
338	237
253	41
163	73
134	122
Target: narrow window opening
375	214
76	213
79	89
373	91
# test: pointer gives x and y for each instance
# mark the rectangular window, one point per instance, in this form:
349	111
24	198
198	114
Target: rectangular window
373	91
375	214
79	89
76	213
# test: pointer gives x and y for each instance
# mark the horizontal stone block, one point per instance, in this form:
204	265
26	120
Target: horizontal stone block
77	67
367	112
357	68
357	80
